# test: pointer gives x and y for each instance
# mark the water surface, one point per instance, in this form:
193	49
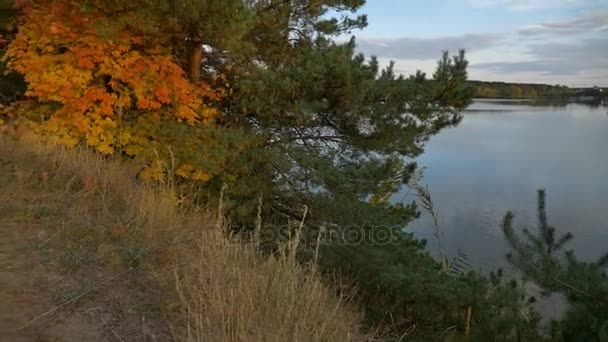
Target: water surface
494	161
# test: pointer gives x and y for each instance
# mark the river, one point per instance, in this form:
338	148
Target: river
494	161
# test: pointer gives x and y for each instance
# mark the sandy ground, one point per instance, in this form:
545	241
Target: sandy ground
29	284
39	300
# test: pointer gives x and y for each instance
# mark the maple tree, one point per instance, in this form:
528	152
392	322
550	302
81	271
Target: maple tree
100	79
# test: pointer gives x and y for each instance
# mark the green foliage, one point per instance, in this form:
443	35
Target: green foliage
7	13
405	292
332	131
519	90
12	85
337	129
542	259
133	256
326	128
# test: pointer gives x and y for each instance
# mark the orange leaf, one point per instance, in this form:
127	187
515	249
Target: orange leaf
86	63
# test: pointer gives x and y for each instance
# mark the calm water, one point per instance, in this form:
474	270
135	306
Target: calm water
494	161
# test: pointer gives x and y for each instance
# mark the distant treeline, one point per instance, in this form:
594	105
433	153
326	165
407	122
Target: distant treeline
520	90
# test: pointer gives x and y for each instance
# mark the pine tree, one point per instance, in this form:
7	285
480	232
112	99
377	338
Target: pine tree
407	294
194	23
332	128
541	258
334	132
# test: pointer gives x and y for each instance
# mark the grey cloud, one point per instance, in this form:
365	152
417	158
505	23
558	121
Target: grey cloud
543	68
586	51
588	22
558	59
425	48
523	5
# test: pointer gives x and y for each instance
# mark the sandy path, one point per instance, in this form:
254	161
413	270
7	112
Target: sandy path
29	284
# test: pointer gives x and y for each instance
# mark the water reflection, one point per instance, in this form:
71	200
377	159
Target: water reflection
496	159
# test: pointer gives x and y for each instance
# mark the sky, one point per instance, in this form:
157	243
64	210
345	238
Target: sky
537	41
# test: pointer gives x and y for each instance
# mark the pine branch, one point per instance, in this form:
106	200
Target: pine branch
603	260
563	240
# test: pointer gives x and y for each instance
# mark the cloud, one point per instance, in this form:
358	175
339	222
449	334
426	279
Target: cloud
585	23
567	50
557	59
524	5
426	48
544	68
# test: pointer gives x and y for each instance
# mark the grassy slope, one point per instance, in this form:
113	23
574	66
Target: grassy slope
87	253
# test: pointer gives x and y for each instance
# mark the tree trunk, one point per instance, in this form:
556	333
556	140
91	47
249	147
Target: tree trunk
196	59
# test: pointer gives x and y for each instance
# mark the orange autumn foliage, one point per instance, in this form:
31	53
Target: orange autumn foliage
95	80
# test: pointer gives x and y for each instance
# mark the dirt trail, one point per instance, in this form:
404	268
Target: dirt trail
62	277
29	284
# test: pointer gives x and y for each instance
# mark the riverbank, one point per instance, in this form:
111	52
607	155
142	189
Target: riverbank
543	101
89	254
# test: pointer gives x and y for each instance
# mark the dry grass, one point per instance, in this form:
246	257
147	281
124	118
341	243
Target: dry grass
211	288
238	296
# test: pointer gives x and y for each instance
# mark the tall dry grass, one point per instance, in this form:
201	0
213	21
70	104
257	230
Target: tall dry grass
224	290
